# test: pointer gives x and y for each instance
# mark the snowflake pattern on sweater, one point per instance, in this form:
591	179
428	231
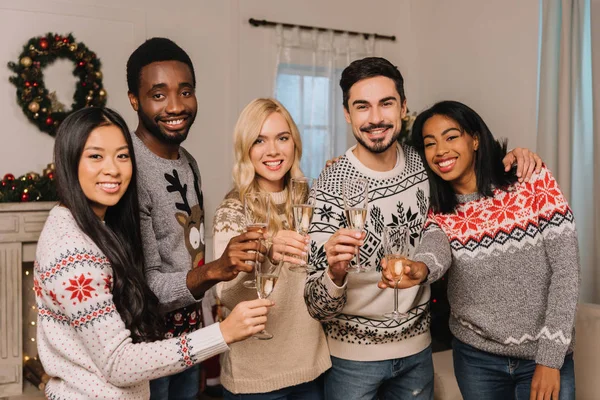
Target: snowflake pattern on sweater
352	315
514	277
82	341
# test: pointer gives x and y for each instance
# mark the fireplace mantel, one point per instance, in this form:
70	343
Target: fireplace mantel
20	227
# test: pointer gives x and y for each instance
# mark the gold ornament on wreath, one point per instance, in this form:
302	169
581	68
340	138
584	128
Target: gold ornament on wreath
42	106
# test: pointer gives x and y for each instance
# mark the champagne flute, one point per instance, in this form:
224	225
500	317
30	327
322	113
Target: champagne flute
303	195
395	247
355	193
256	211
267	274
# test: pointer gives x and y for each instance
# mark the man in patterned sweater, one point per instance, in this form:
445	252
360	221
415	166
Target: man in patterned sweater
371	355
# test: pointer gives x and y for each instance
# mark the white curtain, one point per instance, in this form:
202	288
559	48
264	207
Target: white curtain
307	73
565	123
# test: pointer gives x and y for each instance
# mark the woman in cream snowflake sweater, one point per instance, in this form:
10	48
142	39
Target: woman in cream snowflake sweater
268	150
98	324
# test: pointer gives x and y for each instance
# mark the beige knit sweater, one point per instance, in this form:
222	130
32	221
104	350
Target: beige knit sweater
298	352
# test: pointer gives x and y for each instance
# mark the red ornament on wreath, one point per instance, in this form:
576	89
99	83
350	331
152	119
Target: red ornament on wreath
9	177
38	53
25	196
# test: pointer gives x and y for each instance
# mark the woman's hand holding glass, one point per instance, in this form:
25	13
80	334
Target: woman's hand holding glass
246	319
289	245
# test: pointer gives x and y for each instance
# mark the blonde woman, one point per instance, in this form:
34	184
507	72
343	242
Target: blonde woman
267	155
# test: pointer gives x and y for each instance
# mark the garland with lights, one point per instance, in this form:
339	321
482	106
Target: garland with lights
29	187
41	106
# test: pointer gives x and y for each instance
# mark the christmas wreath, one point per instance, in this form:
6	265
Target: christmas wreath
38	104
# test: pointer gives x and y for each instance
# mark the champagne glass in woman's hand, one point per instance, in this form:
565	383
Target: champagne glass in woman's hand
303	196
267	274
256	211
355	193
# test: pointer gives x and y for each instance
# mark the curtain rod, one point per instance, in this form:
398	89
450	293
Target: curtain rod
262	22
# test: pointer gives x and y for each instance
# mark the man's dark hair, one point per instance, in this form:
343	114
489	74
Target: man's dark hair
370	67
154	50
489	169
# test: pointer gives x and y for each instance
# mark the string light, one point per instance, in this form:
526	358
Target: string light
26	272
33	323
33	339
26	358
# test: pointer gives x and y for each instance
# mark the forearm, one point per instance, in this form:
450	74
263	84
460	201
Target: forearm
561	307
324	298
199	280
171	289
166	357
434	251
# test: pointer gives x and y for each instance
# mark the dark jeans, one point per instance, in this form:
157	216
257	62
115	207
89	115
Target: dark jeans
483	375
312	390
182	386
401	378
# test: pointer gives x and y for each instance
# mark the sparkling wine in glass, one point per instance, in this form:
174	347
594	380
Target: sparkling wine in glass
355	193
256	210
267	274
395	247
303	196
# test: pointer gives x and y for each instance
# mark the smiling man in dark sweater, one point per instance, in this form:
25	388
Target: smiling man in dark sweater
162	84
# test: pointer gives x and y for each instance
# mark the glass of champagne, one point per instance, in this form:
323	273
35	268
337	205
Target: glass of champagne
395	247
256	211
267	274
303	196
355	193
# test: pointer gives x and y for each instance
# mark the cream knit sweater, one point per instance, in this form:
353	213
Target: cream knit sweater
82	340
298	352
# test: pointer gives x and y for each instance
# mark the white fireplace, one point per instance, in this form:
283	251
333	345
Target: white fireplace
20	227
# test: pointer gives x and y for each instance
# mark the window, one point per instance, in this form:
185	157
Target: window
313	98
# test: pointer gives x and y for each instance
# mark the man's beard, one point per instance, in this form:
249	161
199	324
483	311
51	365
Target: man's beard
379	146
156	131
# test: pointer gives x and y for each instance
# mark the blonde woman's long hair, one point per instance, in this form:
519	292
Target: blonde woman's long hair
247	129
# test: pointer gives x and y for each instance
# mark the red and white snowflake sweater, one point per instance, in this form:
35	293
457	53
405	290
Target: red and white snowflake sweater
514	270
82	341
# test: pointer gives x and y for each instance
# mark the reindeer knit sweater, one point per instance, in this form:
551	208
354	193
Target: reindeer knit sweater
352	314
514	270
82	341
298	352
172	223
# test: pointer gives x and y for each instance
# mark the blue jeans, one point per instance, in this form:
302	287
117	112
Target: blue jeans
483	375
401	378
182	386
312	390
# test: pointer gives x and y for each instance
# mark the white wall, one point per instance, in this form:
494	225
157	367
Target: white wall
31	149
483	53
256	45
